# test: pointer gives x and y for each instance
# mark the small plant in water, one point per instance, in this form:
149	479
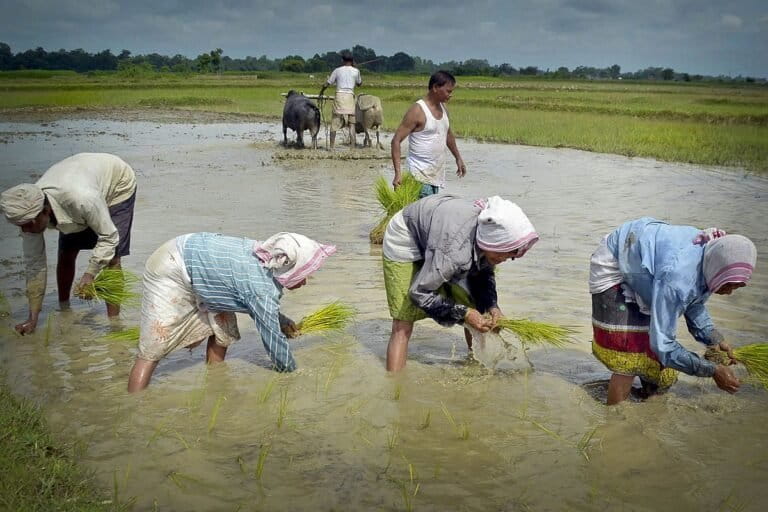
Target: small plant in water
267	391
263	452
461	429
427	420
215	413
398	390
393	437
282	408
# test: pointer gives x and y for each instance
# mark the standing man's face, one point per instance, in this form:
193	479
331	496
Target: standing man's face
444	92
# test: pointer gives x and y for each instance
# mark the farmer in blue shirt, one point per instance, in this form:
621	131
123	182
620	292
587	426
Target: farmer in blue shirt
643	277
194	284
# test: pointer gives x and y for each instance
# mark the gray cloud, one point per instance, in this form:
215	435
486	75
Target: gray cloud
697	36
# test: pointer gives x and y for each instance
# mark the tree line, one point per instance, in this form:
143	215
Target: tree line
366	58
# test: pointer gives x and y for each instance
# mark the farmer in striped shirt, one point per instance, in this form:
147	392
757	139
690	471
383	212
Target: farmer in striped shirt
194	284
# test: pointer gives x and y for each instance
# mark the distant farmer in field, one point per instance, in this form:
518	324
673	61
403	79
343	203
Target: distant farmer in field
194	284
645	275
89	198
345	78
429	133
439	255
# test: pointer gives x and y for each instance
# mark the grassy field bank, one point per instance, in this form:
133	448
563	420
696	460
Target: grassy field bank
37	473
703	123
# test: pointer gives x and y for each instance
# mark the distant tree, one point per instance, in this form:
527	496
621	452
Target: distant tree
697	78
474	67
614	71
506	69
316	63
203	63
686	77
562	72
420	65
293	63
400	62
361	54
124	54
216	60
6	57
668	74
529	70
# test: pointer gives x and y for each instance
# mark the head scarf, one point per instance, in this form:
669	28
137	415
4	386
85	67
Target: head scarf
728	259
291	256
22	203
503	227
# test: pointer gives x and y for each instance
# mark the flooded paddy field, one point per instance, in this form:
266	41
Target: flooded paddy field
340	433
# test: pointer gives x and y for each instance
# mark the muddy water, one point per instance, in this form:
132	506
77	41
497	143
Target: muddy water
340	434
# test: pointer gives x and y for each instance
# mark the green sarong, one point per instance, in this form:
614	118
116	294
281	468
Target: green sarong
397	280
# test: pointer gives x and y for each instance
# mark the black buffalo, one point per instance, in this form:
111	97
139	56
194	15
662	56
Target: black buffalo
300	114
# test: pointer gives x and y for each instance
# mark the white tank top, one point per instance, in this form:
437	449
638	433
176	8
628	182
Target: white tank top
426	148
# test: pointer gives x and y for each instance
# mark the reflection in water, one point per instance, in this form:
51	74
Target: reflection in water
340	433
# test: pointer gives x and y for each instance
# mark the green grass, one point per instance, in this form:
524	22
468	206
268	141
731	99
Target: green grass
702	123
38	473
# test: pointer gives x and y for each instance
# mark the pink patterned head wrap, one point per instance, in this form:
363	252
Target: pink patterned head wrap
291	257
728	259
503	227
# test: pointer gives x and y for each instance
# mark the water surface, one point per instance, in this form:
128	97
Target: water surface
341	434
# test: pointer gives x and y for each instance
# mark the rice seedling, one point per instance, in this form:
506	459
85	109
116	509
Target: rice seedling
129	335
263	452
392	201
112	285
241	463
332	317
427	420
537	333
392	437
282	408
397	392
755	359
461	429
48	327
583	443
267	391
215	413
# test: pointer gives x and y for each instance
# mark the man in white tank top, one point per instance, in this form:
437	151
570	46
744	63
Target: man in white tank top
345	78
428	130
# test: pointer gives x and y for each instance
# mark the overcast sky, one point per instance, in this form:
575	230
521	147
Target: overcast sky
696	36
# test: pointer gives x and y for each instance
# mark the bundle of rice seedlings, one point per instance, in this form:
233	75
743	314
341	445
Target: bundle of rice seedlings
537	333
755	360
129	335
331	317
392	201
112	285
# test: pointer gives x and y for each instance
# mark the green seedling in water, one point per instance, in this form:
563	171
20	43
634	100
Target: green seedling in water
48	328
462	429
267	391
282	408
215	414
427	420
241	463
263	452
392	437
398	390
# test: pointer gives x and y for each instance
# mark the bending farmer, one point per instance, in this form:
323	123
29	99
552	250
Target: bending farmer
194	284
442	250
429	133
643	276
89	198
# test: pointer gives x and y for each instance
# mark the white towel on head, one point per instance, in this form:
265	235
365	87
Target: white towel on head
22	203
291	256
503	227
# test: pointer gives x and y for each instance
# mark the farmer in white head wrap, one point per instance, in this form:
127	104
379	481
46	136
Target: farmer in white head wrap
89	199
643	277
194	285
439	256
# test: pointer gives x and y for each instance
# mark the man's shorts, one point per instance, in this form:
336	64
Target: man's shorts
122	217
428	190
